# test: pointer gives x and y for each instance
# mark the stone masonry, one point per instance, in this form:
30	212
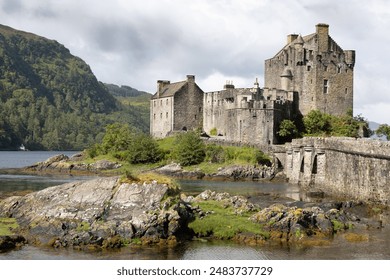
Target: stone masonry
349	167
310	72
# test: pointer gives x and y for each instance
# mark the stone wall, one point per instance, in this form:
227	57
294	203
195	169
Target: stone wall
315	67
354	168
161	116
246	116
188	105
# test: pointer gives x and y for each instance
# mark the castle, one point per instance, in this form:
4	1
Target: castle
309	73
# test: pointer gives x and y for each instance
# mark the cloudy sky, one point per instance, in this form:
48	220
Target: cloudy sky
136	43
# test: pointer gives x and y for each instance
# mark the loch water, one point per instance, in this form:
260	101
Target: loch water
262	193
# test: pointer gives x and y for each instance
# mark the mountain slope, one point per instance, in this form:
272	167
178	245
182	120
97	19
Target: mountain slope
135	101
50	99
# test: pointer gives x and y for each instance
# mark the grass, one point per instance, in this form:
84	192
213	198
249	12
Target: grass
223	223
7	225
149	177
216	157
206	167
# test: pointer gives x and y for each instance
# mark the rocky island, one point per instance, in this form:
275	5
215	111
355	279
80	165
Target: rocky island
113	212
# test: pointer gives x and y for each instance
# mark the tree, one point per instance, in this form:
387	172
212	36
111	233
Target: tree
144	149
117	138
321	124
189	148
383	130
317	123
287	130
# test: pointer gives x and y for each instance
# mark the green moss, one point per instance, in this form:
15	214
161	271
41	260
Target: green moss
213	131
298	233
7	225
135	241
337	225
83	226
222	222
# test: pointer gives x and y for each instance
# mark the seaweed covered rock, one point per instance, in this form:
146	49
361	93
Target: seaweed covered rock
98	212
295	224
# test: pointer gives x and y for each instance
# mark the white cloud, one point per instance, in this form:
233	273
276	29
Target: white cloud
138	42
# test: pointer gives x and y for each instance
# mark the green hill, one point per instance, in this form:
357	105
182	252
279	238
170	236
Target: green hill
50	99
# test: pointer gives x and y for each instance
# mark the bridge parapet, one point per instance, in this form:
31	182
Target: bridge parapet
356	168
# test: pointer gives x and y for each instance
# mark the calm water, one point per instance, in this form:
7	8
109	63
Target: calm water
378	246
22	159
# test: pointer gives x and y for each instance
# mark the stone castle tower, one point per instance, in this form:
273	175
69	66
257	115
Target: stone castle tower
316	69
309	73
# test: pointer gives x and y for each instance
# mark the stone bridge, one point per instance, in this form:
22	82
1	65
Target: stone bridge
349	167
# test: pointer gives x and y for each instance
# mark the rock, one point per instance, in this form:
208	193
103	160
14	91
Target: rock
104	165
245	172
170	169
11	242
93	212
175	170
296	224
62	163
239	203
231	172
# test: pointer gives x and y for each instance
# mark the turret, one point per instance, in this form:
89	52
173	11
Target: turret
350	58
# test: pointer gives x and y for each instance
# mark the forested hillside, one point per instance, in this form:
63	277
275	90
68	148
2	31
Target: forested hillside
50	99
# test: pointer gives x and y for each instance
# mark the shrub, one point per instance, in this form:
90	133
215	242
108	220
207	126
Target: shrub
262	158
189	149
125	143
144	149
215	154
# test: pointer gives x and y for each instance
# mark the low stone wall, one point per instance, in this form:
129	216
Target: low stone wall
354	168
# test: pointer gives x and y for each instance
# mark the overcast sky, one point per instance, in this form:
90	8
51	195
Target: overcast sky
136	43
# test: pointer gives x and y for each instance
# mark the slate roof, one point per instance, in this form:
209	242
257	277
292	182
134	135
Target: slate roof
170	90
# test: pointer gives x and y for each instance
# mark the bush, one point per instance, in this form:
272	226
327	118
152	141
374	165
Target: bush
262	158
322	124
144	149
189	149
125	143
215	154
317	123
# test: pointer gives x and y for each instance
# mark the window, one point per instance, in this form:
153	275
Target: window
167	102
166	114
154	116
154	103
160	115
308	68
326	86
325	68
346	91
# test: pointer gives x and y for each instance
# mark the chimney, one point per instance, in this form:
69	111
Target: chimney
322	31
191	78
291	38
160	86
228	85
